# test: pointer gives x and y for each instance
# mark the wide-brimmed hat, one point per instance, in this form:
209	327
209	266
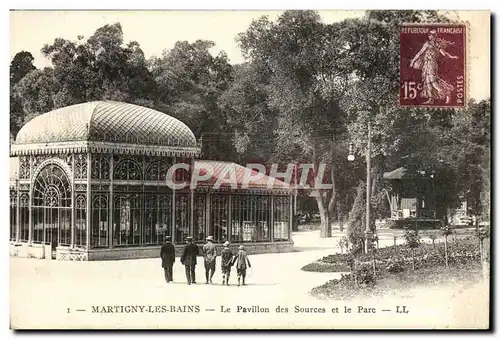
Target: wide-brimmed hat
241	247
189	238
210	238
226	244
168	237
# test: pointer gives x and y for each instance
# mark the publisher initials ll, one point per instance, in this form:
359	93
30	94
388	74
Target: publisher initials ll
401	309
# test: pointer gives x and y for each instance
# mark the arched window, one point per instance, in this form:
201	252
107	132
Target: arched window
157	170
281	216
219	217
99	232
181	217
100	167
81	221
127	170
13	215
24	217
158	218
127	225
52	207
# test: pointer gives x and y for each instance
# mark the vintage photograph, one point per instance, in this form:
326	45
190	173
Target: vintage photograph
294	169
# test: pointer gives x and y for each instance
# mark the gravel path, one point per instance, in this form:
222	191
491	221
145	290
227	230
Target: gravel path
41	291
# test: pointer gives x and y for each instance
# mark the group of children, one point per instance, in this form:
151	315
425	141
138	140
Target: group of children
228	260
209	251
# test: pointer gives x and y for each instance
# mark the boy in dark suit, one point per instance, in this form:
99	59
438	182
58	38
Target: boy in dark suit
242	263
167	255
188	259
226	263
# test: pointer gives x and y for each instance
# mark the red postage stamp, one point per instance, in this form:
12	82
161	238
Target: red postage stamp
433	61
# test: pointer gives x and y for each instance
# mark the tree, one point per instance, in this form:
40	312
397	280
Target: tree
101	67
21	64
433	237
300	55
246	105
190	82
356	223
446	231
320	78
37	92
413	241
372	52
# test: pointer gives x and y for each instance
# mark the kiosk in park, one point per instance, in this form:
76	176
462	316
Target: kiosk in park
91	182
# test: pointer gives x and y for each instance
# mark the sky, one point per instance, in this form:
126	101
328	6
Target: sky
159	30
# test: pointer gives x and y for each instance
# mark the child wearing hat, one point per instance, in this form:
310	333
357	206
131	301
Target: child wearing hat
226	263
210	256
242	263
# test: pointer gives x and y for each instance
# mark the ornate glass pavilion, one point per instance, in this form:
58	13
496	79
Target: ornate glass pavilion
90	184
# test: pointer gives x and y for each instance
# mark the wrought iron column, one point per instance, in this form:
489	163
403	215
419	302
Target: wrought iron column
73	205
230	218
172	228
272	217
110	203
30	204
208	215
291	220
18	208
89	200
191	202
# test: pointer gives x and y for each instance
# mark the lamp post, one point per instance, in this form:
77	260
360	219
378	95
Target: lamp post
351	157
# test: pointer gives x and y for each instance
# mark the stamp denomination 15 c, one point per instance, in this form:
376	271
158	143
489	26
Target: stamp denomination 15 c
433	61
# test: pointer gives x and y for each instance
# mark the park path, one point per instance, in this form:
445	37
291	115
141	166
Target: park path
41	291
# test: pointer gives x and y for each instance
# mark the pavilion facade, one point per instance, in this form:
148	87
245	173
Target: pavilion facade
91	183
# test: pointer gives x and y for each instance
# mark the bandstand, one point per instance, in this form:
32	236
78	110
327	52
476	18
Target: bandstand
90	183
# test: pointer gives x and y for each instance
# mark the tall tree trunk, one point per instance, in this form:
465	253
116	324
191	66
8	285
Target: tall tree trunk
413	259
355	271
331	204
484	262
322	206
374	266
481	250
323	212
446	250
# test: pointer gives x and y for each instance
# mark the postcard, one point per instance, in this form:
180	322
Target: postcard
294	169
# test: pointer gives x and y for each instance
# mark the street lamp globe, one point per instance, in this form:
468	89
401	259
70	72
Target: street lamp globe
350	157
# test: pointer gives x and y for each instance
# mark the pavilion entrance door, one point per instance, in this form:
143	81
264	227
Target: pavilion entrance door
52	208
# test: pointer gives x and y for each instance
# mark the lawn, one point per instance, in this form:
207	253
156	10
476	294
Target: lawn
345	289
394	268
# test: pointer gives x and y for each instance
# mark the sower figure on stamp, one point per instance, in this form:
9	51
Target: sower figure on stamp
210	256
242	263
167	255
188	259
226	263
434	87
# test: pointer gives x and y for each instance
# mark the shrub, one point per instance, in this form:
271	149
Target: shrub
394	266
413	241
391	224
446	230
482	233
464	251
355	225
364	276
319	266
